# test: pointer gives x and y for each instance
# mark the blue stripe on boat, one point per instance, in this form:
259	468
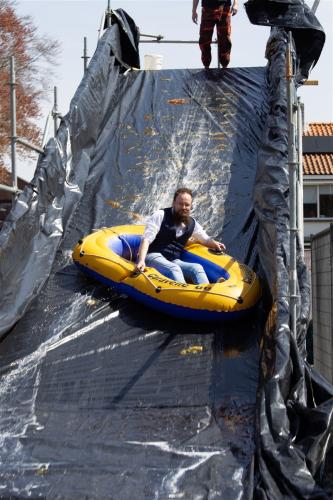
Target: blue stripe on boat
171	309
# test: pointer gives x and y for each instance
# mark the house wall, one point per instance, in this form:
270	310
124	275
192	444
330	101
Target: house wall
314	227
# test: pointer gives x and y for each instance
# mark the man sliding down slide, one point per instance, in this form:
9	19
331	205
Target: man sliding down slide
167	232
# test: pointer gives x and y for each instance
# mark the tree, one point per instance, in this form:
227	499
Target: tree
34	58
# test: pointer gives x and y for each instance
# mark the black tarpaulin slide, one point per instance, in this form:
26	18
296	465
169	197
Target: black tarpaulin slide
296	16
103	398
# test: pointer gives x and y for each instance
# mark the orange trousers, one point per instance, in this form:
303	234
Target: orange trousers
221	18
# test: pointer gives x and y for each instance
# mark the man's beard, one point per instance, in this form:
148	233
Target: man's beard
179	218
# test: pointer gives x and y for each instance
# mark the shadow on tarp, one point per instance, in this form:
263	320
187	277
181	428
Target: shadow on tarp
103	398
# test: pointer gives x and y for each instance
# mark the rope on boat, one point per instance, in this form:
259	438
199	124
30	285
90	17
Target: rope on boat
83	253
122	239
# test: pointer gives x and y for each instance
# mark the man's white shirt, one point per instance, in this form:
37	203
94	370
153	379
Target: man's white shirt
154	222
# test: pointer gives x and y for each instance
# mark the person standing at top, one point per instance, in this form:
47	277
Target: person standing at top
215	13
166	233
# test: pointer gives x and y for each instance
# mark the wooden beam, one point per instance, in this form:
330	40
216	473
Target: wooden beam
311	82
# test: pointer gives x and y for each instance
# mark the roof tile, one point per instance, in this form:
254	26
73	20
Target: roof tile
319	129
318	164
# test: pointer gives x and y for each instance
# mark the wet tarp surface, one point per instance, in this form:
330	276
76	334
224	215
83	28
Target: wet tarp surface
103	398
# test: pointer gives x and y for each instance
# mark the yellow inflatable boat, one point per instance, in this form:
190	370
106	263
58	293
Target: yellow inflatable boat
109	255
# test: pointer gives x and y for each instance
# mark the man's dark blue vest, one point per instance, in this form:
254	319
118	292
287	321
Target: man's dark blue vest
166	241
213	4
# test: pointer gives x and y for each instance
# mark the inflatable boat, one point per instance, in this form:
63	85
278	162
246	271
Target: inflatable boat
109	256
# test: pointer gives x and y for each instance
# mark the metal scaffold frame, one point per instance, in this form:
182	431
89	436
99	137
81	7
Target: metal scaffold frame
14	139
54	114
295	167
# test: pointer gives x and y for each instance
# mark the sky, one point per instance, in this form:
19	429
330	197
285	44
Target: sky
69	21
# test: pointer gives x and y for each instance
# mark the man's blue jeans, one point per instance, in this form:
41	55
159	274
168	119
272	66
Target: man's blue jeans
177	270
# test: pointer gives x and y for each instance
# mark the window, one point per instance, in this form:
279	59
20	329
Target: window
318	201
310	201
326	200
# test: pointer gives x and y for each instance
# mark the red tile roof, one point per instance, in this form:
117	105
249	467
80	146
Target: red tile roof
318	164
319	129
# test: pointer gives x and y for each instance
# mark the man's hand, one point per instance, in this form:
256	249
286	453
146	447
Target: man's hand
234	8
216	245
143	249
140	266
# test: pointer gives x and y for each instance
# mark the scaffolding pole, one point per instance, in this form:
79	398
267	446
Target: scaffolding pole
292	164
109	14
300	210
29	145
13	137
315	6
55	113
46	129
14	191
85	56
160	39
